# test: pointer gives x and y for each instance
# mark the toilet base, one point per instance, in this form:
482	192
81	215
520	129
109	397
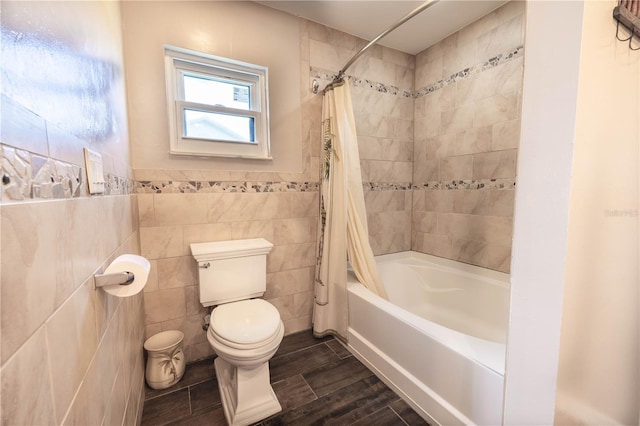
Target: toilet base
247	395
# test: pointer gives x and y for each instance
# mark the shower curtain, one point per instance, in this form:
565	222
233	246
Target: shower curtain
343	232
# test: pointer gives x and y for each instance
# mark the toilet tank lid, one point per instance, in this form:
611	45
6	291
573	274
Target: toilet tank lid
228	249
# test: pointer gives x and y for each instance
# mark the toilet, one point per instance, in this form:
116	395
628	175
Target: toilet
244	330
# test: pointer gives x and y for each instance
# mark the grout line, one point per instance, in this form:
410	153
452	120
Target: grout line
396	413
299	350
310	388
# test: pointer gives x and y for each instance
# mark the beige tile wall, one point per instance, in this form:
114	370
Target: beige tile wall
384	124
70	354
169	223
468	131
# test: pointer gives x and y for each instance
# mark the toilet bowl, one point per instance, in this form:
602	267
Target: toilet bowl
244	330
245	335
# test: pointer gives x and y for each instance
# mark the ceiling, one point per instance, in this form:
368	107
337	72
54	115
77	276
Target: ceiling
367	19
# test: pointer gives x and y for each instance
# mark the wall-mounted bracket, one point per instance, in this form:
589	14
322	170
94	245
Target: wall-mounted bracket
627	18
119	278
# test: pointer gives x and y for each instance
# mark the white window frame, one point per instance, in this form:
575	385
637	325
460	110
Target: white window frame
180	62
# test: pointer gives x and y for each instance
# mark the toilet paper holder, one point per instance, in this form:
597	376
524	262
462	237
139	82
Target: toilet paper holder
125	276
121	278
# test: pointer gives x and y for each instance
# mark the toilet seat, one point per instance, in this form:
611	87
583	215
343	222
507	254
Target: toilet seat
246	324
277	335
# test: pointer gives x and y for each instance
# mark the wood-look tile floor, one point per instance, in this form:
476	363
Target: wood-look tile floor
317	381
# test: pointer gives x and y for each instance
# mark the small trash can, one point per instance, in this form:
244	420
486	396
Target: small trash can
165	362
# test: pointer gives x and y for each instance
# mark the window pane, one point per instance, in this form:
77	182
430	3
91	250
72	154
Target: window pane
229	94
215	126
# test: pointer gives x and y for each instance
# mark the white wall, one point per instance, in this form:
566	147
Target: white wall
574	308
598	371
552	55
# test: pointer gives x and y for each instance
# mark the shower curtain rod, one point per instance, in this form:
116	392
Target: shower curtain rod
340	77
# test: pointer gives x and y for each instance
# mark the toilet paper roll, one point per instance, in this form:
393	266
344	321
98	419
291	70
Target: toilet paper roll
137	265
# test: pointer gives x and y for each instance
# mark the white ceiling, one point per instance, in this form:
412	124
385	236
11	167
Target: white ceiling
367	19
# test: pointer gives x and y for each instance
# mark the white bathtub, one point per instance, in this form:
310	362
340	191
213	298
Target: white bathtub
440	339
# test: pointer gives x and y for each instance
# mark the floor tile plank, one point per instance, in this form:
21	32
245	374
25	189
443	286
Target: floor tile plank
341	407
336	375
317	381
167	408
338	348
383	417
293	392
300	361
297	341
215	417
196	372
204	396
407	414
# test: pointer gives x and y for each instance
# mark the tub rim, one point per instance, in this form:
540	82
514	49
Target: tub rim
491	355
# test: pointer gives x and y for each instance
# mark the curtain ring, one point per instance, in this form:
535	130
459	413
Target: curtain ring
618	37
633	32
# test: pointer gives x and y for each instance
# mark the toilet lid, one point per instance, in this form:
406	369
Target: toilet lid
247	321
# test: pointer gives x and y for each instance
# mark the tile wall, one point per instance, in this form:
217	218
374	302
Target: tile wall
69	354
467	126
170	222
381	89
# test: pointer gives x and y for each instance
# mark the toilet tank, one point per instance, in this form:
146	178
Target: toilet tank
231	270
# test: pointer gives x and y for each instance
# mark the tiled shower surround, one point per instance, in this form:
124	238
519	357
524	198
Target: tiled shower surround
450	135
467	124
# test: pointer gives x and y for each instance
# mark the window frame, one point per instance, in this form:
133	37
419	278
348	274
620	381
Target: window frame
181	62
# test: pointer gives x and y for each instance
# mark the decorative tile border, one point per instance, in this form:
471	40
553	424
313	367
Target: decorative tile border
34	177
468	184
329	76
468	72
502	58
382	186
174	187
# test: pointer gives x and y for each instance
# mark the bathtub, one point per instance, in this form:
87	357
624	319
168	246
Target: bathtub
439	341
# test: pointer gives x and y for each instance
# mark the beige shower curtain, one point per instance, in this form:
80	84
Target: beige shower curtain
343	231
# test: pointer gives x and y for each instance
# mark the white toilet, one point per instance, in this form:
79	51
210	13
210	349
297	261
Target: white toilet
244	332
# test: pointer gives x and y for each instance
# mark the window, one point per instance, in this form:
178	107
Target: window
217	106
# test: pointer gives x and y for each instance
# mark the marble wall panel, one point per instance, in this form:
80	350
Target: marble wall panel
505	135
458	54
426	170
389	220
494	165
72	339
460	167
467	109
501	38
499	80
496	109
429	67
287	219
74	317
26	385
